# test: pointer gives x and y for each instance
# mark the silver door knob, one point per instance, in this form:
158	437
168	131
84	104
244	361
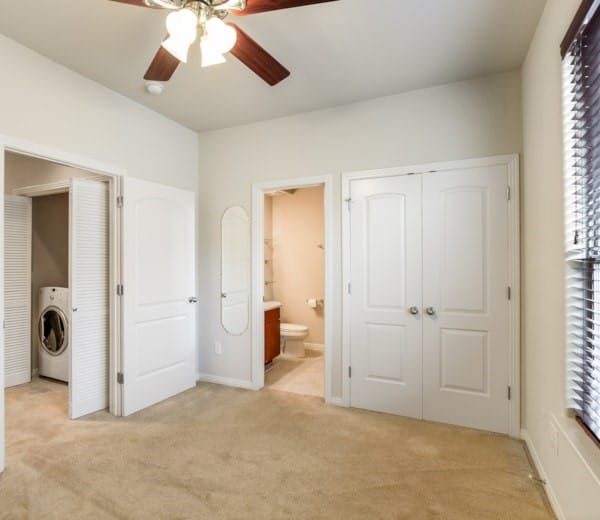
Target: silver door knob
193	299
223	295
414	310
430	311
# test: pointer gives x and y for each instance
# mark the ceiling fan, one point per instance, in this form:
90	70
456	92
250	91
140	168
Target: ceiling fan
190	20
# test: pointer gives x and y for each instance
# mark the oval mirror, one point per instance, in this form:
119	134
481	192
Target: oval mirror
235	270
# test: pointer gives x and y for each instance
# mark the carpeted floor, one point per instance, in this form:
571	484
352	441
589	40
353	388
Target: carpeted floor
303	376
216	453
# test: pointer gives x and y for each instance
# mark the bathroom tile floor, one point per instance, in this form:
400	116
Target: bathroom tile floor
303	376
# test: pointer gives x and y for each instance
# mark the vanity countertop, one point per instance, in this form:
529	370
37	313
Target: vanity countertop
269	306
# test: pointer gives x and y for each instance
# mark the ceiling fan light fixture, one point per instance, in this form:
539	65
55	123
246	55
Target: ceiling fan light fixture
182	27
165	4
210	54
176	47
222	36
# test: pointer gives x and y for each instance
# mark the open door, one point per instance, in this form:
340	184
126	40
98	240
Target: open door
158	354
17	290
89	285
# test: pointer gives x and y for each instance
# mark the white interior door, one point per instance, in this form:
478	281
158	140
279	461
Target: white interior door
17	290
158	354
465	282
385	337
89	285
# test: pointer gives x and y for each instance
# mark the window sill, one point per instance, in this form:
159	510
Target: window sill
587	450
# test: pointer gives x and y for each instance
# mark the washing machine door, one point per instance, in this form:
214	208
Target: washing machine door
53	331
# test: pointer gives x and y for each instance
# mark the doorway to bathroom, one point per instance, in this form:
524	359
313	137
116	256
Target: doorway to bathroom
293	290
291	277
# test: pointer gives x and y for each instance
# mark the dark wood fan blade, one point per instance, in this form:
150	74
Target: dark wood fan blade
139	3
262	6
257	59
162	67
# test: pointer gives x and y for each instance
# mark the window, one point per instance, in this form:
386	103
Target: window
581	89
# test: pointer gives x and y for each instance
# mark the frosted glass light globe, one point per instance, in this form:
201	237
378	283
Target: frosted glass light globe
182	27
222	35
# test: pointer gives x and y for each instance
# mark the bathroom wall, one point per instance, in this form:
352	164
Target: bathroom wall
298	261
268	294
50	253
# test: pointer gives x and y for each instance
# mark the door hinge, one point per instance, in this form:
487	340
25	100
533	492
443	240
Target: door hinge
349	371
509	292
120	201
348	201
509	393
349	288
508	193
120	378
120	289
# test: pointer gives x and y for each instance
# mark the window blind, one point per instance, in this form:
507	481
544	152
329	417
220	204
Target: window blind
581	105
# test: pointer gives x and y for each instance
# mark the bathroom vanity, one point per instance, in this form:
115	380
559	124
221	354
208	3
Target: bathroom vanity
272	337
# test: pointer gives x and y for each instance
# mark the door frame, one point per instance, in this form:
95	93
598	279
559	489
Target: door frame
511	162
258	275
114	175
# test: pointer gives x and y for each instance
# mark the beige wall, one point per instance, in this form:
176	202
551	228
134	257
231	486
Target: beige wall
475	118
298	262
572	468
49	253
21	171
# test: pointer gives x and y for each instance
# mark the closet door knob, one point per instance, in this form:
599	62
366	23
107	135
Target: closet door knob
414	310
430	311
193	299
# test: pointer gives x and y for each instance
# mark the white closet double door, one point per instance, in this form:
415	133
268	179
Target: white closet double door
429	304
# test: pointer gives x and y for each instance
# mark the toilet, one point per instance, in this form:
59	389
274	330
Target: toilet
292	339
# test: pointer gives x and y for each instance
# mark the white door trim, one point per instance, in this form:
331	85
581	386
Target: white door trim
41	151
514	262
258	275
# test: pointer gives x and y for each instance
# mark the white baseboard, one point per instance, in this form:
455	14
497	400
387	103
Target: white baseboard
314	346
543	475
337	401
225	381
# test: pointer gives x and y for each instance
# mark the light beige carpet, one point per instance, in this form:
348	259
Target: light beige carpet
303	376
221	453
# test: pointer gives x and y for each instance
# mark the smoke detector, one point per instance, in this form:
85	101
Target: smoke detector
155	88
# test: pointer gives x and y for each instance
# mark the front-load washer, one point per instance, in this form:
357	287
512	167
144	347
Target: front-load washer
53	332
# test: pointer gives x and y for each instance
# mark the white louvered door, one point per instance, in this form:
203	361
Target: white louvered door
17	290
89	284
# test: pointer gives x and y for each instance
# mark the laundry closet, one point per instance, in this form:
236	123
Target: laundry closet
56	227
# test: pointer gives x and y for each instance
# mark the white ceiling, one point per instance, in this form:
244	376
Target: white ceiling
337	52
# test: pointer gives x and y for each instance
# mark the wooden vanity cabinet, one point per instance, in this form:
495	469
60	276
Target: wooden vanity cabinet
272	335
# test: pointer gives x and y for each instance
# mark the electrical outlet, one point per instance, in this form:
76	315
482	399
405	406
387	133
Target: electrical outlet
218	348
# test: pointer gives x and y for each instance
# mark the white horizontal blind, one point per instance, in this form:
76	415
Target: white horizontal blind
17	290
581	88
